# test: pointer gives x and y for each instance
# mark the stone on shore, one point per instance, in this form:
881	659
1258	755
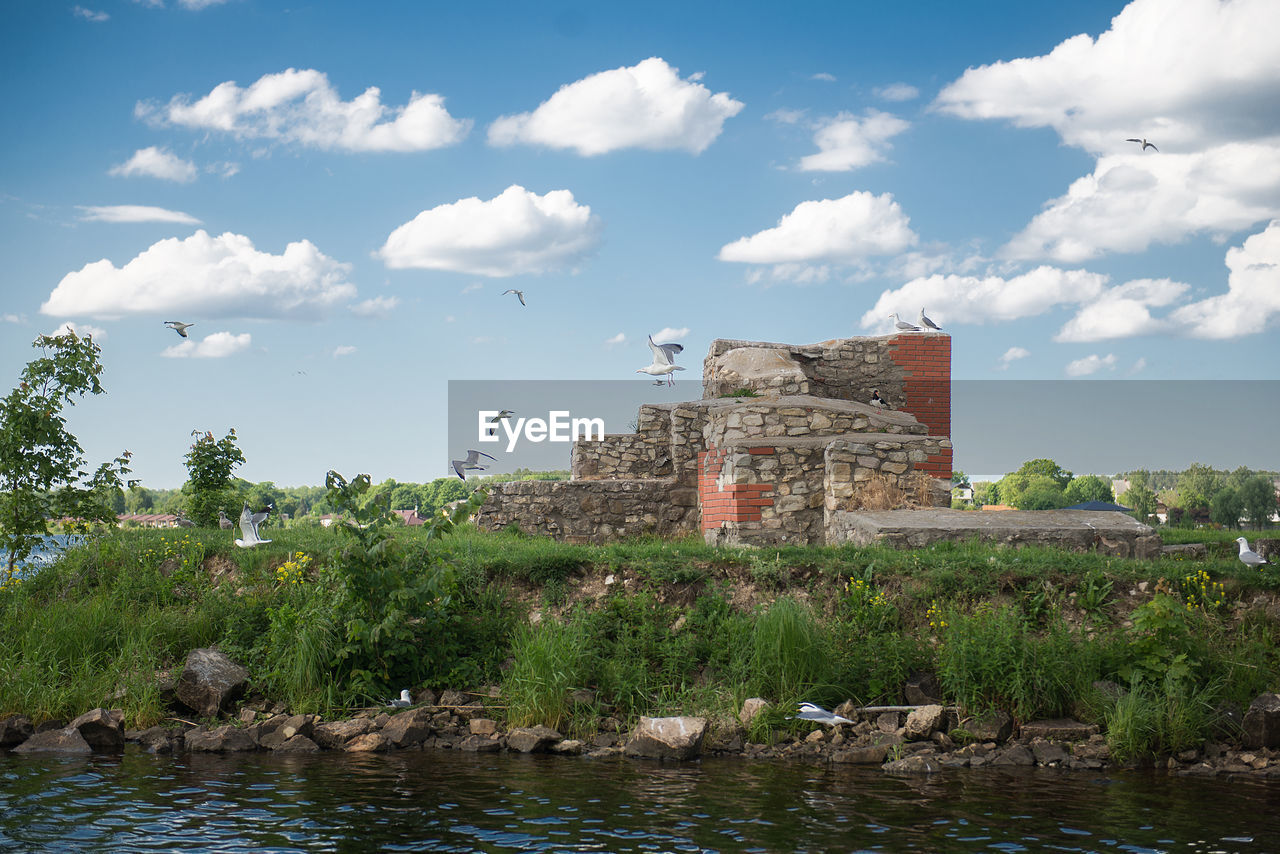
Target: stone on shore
66	740
667	738
298	744
210	682
994	726
532	739
750	708
15	729
335	734
1057	729
922	722
102	729
1262	722
366	743
408	728
223	739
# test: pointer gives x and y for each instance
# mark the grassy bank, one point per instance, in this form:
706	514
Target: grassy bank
326	622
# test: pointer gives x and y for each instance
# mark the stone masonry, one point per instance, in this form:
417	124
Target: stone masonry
782	438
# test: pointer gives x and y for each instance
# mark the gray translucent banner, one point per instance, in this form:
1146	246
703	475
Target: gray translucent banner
1100	427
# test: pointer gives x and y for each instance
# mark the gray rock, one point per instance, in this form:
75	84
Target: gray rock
332	735
667	738
1059	729
156	739
532	739
750	708
871	755
1046	752
994	726
480	744
923	721
65	740
298	744
915	765
1262	722
482	726
888	722
366	743
210	682
223	739
922	689
408	728
568	747
103	730
51	725
15	729
1014	754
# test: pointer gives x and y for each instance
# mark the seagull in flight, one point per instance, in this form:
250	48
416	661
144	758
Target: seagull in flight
178	326
1248	556
926	323
249	522
504	414
472	462
664	361
902	325
1144	143
403	703
810	712
519	294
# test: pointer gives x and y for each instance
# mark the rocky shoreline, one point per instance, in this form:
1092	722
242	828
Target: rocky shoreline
920	739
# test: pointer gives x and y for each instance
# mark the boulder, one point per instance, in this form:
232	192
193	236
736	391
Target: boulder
66	740
408	728
1046	752
532	739
156	739
568	747
15	729
871	755
367	743
1262	722
210	682
298	744
224	739
101	729
922	689
480	744
888	722
276	731
915	765
335	734
921	722
667	738
750	708
994	726
1057	729
482	726
1015	754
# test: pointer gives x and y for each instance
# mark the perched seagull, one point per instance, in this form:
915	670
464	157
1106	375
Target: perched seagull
876	400
925	322
472	462
519	294
249	522
178	326
902	325
1248	556
184	522
403	703
223	522
810	712
1144	143
664	361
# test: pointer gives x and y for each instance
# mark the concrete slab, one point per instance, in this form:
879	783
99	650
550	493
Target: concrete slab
1075	530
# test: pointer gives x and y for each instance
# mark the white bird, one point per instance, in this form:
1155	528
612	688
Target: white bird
403	703
1248	556
519	294
902	325
664	364
1144	143
927	323
810	712
503	415
178	326
249	522
472	462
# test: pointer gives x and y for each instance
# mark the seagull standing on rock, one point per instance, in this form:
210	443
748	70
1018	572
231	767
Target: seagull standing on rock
810	712
902	325
404	702
1248	556
925	322
664	360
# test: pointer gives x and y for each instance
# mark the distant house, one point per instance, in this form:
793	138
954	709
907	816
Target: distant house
327	519
998	507
410	517
148	520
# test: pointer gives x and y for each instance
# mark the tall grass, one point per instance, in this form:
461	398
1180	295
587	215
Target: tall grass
790	652
547	665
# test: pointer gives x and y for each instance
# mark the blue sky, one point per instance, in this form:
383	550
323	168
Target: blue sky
338	194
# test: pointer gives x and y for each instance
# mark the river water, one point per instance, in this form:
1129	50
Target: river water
446	801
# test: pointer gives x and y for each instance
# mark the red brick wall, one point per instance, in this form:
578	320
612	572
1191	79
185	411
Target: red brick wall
732	502
925	360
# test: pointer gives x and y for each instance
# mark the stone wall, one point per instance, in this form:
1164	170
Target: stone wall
792	416
592	511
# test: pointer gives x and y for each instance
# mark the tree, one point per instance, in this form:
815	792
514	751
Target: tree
1258	500
1197	485
139	499
1048	468
985	492
1142	500
209	465
40	460
1041	493
1088	487
1225	507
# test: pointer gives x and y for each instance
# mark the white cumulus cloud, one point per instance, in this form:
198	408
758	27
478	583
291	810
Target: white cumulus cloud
217	345
620	338
1123	311
343	350
897	92
154	162
134	213
375	307
515	233
836	231
646	105
222	276
670	334
846	142
90	14
824	76
302	107
1090	364
1012	355
1252	298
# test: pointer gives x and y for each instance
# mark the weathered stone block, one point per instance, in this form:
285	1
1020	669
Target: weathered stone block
210	682
1262	722
667	738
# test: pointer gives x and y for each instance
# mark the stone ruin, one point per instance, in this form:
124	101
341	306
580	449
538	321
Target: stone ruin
781	445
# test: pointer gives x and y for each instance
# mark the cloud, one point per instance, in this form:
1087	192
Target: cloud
156	162
223	169
83	330
897	92
645	106
824	76
669	334
1138	366
1091	365
1132	200
1012	355
13	318
301	107
837	231
846	142
90	14
787	117
1252	298
1123	311
515	233
196	5
343	350
217	345
474	286
980	300
620	338
222	276
376	307
135	213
